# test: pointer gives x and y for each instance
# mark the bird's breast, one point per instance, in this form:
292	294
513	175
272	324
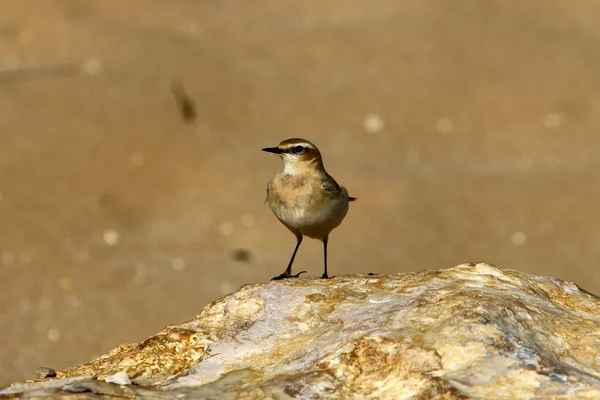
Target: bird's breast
290	191
301	203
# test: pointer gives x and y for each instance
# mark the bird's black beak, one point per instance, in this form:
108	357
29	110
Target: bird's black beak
275	150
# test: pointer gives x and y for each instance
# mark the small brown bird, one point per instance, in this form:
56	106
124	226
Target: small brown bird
304	197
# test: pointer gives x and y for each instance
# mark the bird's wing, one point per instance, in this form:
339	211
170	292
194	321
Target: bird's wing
268	186
329	185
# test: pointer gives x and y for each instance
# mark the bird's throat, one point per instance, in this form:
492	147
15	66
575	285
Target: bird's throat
303	168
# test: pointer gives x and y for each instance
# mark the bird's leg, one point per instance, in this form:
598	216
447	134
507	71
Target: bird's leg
325	276
288	271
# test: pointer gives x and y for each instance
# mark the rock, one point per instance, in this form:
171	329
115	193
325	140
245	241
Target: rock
120	378
473	331
45	372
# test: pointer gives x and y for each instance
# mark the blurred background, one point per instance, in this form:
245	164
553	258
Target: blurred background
132	182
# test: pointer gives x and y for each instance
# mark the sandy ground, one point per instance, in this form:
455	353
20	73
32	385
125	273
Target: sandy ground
467	129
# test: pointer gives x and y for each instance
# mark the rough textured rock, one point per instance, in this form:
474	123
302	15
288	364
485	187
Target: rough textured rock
472	331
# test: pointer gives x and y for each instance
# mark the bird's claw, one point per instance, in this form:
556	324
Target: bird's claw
287	275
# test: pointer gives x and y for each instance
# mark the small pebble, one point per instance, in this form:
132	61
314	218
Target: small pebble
444	125
120	378
53	335
518	238
226	229
45	372
373	123
178	264
92	66
111	237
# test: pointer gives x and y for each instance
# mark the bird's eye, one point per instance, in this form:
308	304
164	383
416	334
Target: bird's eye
298	149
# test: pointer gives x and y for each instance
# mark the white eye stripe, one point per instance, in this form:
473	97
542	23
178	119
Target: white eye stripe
292	146
288	146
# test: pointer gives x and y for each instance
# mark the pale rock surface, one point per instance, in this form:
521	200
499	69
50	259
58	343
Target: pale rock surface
473	331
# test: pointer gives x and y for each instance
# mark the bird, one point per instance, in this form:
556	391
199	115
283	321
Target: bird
305	198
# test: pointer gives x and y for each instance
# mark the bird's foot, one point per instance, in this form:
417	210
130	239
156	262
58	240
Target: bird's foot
325	276
286	275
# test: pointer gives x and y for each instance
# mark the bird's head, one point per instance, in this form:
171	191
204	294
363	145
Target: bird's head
298	155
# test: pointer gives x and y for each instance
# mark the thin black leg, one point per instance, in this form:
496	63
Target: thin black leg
288	271
325	276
